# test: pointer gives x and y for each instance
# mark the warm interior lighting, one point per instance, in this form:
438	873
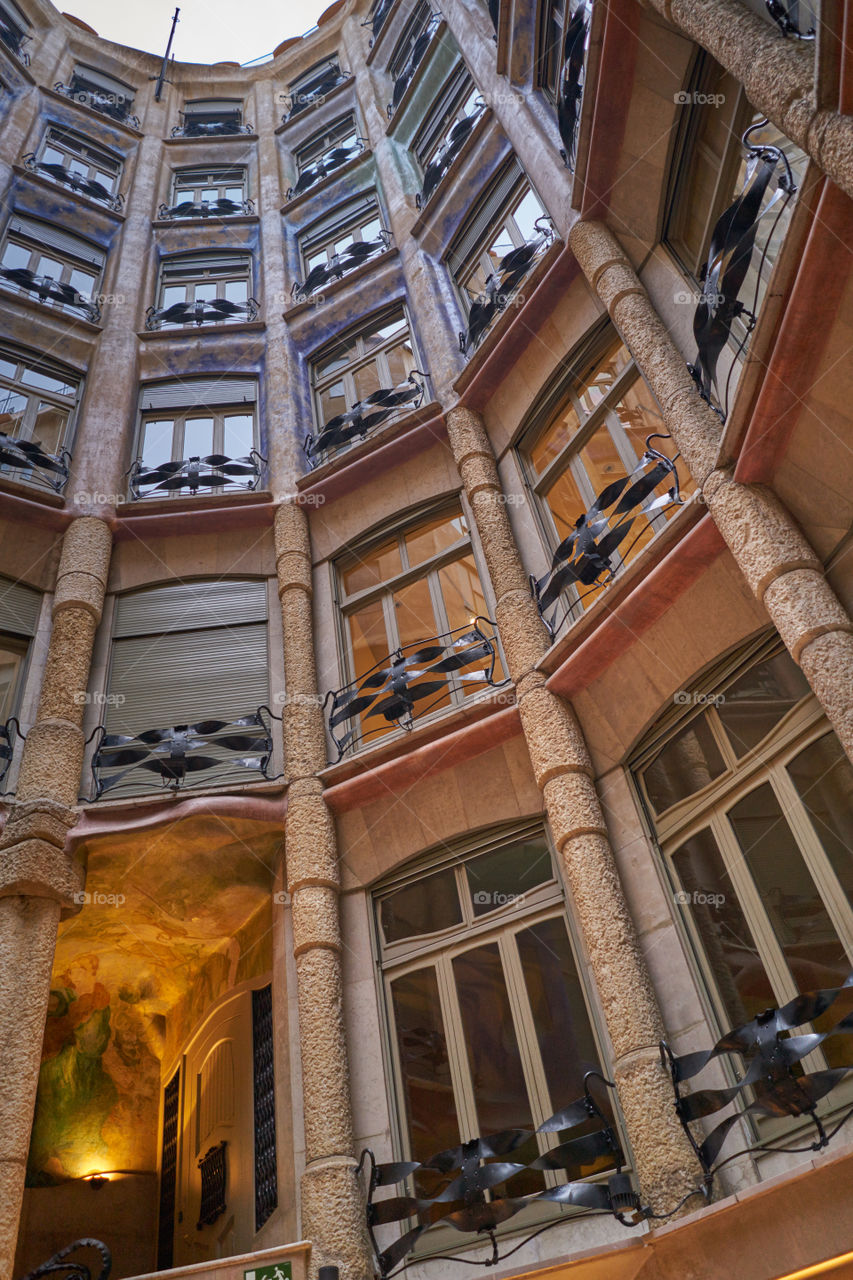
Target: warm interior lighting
821	1268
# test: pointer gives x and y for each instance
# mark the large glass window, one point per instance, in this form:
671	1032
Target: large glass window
210	185
458	100
211	117
489	1017
378	356
358	222
310	89
37	404
82	160
752	797
102	93
192	286
39	250
341	133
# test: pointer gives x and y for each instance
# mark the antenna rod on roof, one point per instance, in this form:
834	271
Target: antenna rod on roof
162	76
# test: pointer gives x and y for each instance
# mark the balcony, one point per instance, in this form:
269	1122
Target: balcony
415	58
571	82
83	186
339	265
222	127
447	153
414	680
215	311
14	41
222	208
46	470
379	11
107	104
327	164
188	478
502	285
46	289
364	417
212	752
314	91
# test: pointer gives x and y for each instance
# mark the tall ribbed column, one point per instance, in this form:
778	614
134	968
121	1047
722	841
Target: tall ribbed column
780	567
665	1164
37	880
332	1208
777	74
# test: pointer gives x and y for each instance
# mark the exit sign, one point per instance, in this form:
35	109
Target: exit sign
272	1271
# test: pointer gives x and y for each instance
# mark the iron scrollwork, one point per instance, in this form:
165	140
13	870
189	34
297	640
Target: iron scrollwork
771	1057
29	456
213	472
447	153
198	313
182	750
464	1175
409	683
339	264
108	104
8	733
314	93
729	258
589	557
49	290
327	164
223	208
357	421
501	286
570	88
86	186
786	14
194	128
57	1265
415	58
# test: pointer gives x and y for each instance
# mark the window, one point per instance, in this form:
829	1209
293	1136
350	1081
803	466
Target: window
203	287
209	117
185	654
377	356
84	166
200	192
595	436
752	798
333	238
197	419
410	49
19	611
310	89
60	269
459	99
342	133
489	1019
37	405
419	583
102	93
14	30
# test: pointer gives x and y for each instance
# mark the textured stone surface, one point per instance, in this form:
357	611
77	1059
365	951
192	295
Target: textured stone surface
52	761
547	720
828	666
760	533
316	919
331	1201
659	1152
63	690
83	566
325	1070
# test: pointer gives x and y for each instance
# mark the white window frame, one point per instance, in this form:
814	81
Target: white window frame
88	261
358	357
346	225
192	182
223	269
88	160
342	132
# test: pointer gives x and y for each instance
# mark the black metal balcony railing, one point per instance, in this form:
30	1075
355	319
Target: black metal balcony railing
590	555
8	733
199	313
192	127
213	472
58	1269
447	153
338	265
49	290
379	11
729	259
410	682
416	56
108	104
767	1065
223	208
313	94
85	186
787	14
28	457
502	285
469	1191
364	416
181	754
327	164
15	41
570	89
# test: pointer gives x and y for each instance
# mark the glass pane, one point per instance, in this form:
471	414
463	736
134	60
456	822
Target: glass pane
369	637
237	290
685	765
789	895
424	1064
823	777
427	906
373	567
366	380
370	230
49	426
708	897
436	535
13	406
106	179
565	504
414	612
198	437
157	446
463	596
401	360
15	256
503	876
48	266
757	701
551	444
50	155
10	666
332	402
238	435
47	382
83	282
210	195
603	376
334	362
174	294
205	291
235	194
526	214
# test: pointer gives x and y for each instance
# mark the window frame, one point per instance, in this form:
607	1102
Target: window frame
349	218
300	101
26	237
88	85
415	25
447	111
74	147
321	382
221	275
213	176
325	140
193	109
36	395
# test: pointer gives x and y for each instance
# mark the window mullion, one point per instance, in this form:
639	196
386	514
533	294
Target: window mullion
460	1070
525	1033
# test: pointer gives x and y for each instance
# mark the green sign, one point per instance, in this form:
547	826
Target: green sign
272	1271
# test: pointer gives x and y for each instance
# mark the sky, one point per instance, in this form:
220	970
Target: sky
208	30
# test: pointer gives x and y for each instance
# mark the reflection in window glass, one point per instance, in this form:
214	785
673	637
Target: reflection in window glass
756	702
428	906
424	1064
685	765
503	875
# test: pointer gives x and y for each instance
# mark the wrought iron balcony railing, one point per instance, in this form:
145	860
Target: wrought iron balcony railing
225	128
313	94
14	42
327	164
502	285
729	259
593	552
198	313
339	265
416	56
379	11
223	208
58	1269
570	88
364	416
470	1185
787	14
8	733
173	479
108	104
28	457
409	683
49	290
768	1067
184	754
447	153
86	186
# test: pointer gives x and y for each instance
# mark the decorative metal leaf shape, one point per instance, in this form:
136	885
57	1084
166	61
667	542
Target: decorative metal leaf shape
49	289
447	153
223	208
57	1266
171	477
199	313
327	164
87	186
337	266
28	455
503	283
366	414
415	58
570	90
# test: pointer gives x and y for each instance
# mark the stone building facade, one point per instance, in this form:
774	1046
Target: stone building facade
425	641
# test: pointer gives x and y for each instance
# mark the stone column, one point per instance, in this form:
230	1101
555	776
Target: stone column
332	1206
777	74
665	1165
37	880
781	568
